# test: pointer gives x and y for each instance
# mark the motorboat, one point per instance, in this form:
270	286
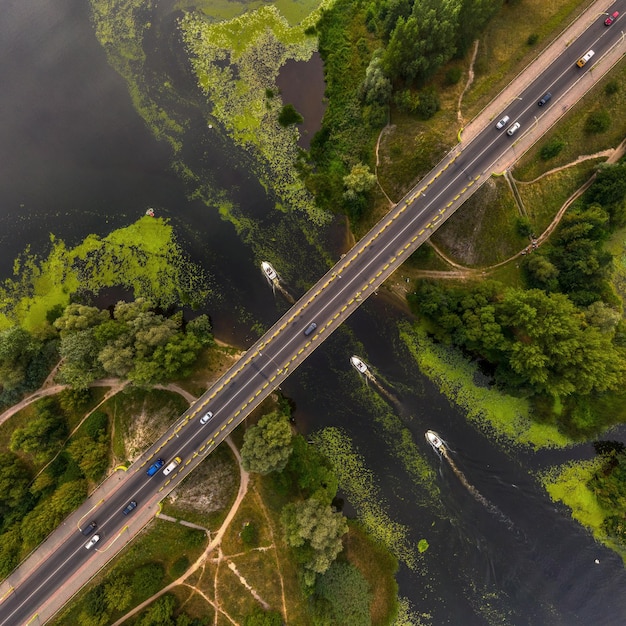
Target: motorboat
269	271
434	439
358	365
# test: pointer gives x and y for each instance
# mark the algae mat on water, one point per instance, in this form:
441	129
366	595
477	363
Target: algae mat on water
143	257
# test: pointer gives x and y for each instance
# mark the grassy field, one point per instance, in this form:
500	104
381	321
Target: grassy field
543	198
482	232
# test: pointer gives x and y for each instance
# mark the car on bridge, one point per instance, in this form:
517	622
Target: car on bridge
155	467
502	123
92	542
131	506
309	329
89	529
172	466
583	59
545	99
513	129
609	20
206	417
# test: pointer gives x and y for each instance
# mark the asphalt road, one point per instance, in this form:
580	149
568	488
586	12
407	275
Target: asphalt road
355	277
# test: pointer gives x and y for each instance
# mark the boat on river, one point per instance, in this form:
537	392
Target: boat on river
434	440
358	364
269	271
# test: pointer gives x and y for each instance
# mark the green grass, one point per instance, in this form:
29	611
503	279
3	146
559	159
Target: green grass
482	232
571	128
378	567
162	542
545	197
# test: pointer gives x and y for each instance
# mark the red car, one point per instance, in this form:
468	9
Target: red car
609	20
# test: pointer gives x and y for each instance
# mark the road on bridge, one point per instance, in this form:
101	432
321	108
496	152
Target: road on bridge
36	590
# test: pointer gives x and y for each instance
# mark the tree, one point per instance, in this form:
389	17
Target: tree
79	351
42	433
342	596
314	530
358	182
264	618
15	497
423	42
202	329
18	348
147	579
267	446
91	456
10	549
289	116
118	593
160	612
376	87
78	317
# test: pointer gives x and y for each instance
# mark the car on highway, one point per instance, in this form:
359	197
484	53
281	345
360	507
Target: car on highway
155	467
583	59
130	507
89	529
92	542
609	20
502	123
513	129
546	98
309	329
206	417
172	466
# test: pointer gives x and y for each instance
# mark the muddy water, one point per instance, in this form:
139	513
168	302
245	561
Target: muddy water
77	159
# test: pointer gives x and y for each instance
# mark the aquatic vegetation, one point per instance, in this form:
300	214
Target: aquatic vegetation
143	257
423	545
359	484
506	416
569	484
236	63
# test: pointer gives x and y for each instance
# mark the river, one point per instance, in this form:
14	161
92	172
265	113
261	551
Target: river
76	159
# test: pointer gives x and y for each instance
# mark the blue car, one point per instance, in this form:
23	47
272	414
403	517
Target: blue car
155	467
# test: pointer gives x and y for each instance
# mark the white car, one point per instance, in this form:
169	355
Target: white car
513	129
206	417
502	123
92	542
172	466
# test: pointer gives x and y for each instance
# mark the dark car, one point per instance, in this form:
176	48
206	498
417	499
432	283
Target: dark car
609	20
310	328
155	467
130	507
546	98
89	529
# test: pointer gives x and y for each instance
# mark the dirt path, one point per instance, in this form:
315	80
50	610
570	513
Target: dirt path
468	83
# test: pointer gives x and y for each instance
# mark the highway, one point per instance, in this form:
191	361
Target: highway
279	352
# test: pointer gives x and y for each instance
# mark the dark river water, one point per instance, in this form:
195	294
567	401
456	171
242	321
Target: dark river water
75	158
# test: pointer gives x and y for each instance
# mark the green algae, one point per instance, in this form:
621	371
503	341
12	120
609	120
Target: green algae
505	416
359	484
236	63
143	257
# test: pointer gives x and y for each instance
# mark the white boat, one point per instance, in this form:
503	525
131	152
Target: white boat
269	271
358	365
434	439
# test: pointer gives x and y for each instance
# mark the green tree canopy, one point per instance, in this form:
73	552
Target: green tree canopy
267	446
314	530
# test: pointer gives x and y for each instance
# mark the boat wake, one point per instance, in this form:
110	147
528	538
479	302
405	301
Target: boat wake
442	449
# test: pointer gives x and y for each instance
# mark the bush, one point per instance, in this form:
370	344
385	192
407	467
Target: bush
523	226
532	39
552	148
179	567
428	104
96	424
249	535
611	88
147	580
453	75
598	122
289	116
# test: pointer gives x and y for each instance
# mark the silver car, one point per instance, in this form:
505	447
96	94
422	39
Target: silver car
206	417
513	129
502	123
92	542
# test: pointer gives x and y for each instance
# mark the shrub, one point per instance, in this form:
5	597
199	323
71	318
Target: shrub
249	535
552	148
453	75
289	116
611	88
428	104
147	579
179	567
523	226
598	122
532	39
